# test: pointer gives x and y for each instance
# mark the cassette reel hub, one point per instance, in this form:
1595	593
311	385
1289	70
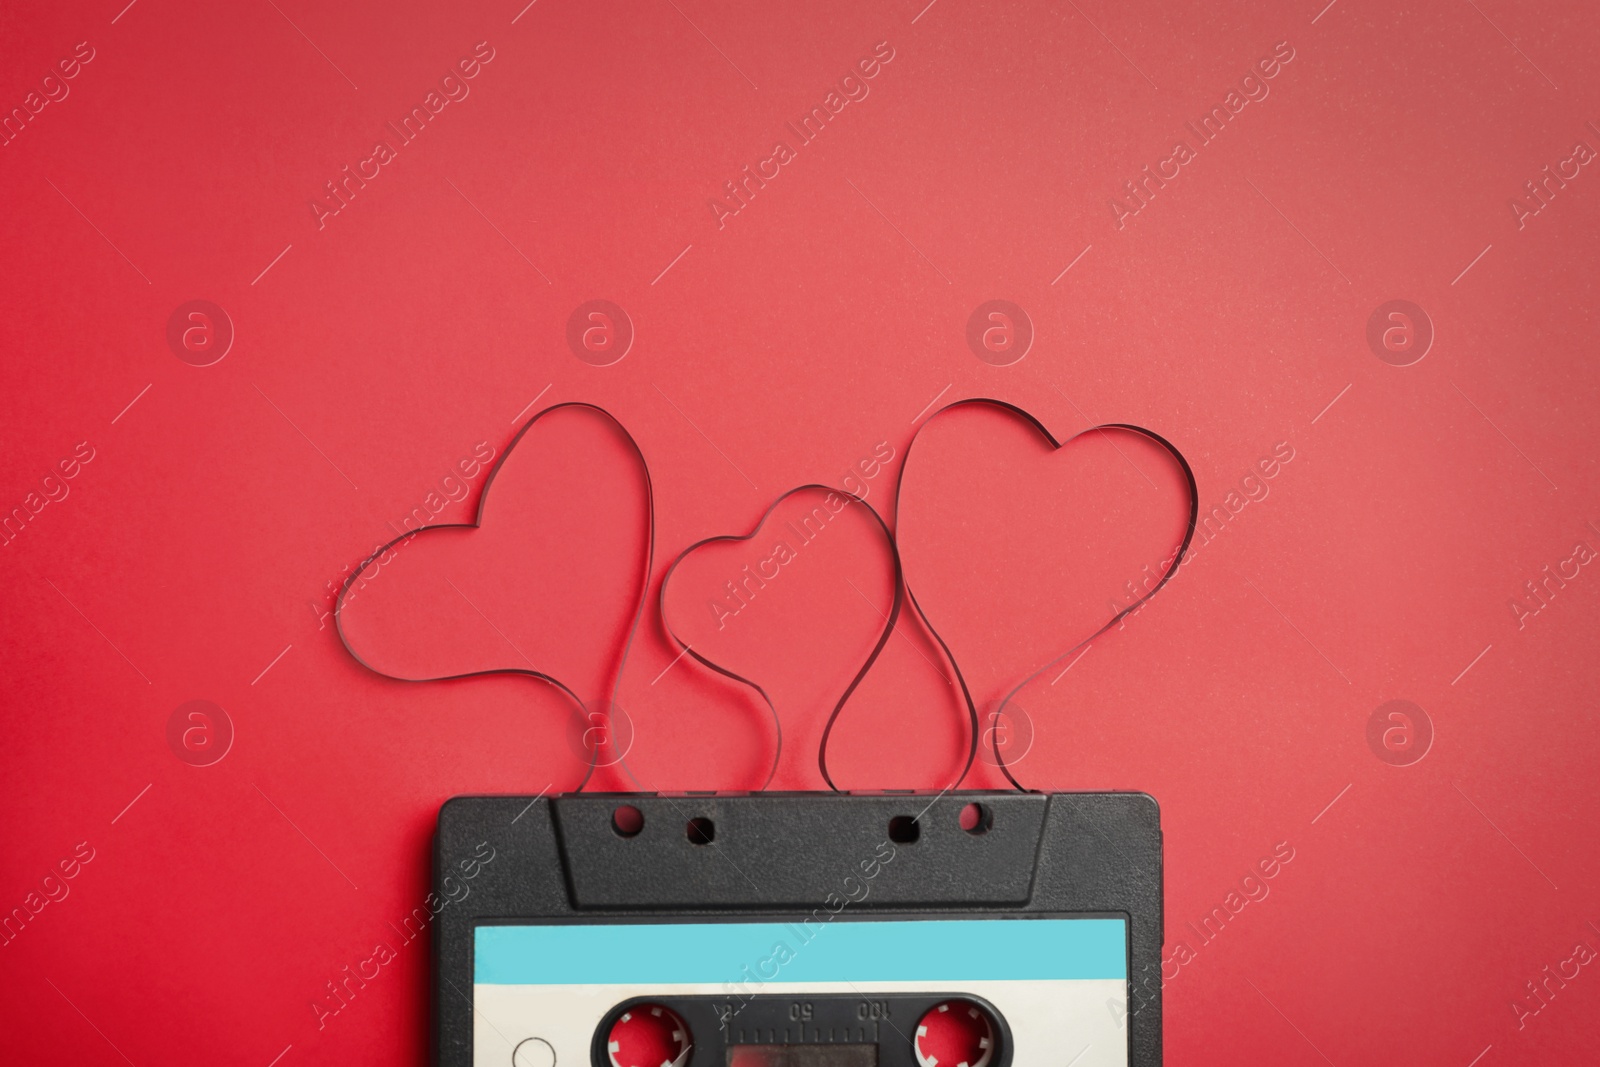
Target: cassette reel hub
956	1033
648	1035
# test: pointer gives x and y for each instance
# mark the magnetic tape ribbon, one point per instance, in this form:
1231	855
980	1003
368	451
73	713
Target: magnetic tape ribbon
883	634
638	614
916	606
903	593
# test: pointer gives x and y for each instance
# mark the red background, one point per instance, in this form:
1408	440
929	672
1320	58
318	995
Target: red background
191	557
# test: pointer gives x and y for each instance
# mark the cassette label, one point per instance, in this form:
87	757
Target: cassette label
1048	980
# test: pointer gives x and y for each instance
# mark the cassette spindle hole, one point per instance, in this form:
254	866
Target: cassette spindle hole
627	820
976	819
956	1033
648	1035
904	829
701	831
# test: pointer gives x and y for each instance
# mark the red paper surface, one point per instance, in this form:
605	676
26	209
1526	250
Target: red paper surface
183	527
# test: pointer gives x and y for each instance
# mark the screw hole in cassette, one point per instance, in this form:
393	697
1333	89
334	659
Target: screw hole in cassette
627	820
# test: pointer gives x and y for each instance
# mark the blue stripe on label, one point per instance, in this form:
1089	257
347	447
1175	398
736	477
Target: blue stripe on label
842	950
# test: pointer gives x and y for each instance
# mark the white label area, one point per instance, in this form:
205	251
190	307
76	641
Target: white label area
1059	983
1051	1021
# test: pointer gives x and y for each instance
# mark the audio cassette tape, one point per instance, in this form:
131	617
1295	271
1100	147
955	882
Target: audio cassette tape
799	930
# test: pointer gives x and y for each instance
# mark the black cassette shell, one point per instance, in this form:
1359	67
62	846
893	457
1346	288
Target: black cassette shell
779	855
